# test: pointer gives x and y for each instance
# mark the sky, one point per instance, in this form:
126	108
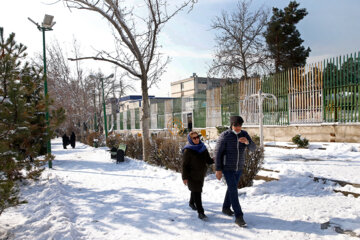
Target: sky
329	29
86	196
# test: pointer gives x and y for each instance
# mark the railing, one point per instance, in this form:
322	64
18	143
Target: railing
323	92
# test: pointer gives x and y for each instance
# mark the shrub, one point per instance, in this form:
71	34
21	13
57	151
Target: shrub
133	146
221	129
300	141
252	165
113	140
94	135
167	152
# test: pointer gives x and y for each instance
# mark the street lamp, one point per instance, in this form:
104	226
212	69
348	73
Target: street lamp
95	120
46	25
103	98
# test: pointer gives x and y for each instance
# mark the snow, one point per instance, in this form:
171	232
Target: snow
87	196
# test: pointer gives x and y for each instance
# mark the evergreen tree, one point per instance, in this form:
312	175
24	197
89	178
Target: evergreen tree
283	39
22	120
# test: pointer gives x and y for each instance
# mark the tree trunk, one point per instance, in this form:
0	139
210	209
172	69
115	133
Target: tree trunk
145	123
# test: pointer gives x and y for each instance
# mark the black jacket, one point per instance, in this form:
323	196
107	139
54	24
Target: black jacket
194	168
65	140
229	152
72	139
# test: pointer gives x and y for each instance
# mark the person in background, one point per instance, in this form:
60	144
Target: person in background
65	140
229	161
72	139
195	160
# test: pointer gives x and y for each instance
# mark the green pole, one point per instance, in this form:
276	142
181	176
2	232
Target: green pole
95	122
103	97
48	144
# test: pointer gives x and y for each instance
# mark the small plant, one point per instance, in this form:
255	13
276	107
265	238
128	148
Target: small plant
301	142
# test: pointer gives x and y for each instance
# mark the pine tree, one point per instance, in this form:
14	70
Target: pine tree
283	39
22	125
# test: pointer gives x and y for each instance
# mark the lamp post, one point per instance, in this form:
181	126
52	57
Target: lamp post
46	25
95	120
103	98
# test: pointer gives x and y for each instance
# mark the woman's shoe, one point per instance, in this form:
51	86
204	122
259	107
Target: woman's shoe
240	221
203	217
227	211
193	207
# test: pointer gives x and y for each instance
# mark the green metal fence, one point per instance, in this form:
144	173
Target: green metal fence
276	114
161	115
137	118
341	77
115	122
327	91
229	102
177	110
199	111
128	119
121	121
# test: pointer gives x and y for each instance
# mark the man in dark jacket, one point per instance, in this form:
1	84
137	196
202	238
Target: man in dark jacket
229	160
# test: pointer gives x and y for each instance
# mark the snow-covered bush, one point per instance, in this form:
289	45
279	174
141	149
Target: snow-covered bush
167	152
300	141
253	163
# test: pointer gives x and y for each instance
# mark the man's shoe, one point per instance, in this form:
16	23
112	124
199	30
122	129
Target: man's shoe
240	221
227	211
193	207
202	216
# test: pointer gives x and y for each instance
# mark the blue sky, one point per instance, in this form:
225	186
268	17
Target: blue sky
331	28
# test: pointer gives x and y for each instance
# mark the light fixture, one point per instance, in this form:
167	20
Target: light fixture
48	21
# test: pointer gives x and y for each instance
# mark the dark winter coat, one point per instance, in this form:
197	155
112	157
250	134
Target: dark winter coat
229	152
65	140
194	168
72	140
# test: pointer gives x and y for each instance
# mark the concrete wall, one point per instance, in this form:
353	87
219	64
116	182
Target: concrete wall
314	133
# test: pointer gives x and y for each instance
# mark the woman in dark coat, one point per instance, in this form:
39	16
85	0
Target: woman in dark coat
195	158
72	139
65	140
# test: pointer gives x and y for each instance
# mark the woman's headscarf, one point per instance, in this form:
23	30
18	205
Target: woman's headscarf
196	147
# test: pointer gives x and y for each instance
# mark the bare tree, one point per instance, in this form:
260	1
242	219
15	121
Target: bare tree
240	42
115	87
136	39
70	89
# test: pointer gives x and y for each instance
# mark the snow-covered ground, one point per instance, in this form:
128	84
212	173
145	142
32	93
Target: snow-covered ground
87	196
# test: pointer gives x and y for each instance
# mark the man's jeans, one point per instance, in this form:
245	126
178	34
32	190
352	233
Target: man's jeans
231	198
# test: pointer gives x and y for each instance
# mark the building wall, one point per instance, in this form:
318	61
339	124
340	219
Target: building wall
183	88
190	86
